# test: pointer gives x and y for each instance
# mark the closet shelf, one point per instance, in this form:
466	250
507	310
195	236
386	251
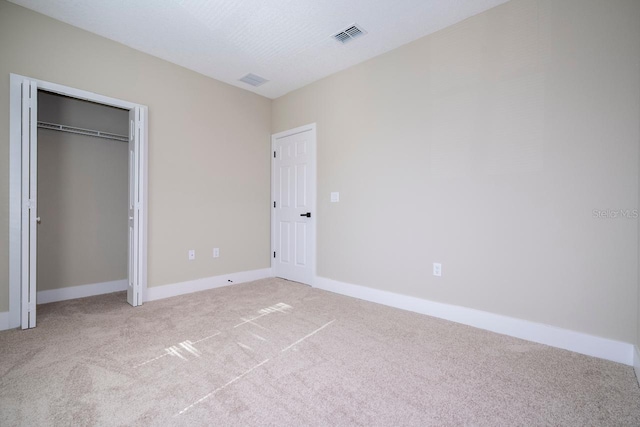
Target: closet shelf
81	131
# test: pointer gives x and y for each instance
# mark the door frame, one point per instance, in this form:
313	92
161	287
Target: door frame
15	181
313	128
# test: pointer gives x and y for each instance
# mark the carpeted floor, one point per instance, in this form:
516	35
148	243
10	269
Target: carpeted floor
274	352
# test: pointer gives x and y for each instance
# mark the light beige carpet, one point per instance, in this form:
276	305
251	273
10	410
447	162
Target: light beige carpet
274	352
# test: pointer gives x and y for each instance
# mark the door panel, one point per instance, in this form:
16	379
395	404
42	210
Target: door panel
285	186
294	197
285	240
134	296
29	202
301	244
301	186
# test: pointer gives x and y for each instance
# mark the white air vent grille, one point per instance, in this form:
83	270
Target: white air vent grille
253	80
352	32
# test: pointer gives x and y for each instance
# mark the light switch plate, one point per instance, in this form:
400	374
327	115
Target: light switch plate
335	197
437	269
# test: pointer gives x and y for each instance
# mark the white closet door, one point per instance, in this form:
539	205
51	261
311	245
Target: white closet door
134	291
29	202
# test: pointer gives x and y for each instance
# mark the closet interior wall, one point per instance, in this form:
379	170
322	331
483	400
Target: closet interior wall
82	195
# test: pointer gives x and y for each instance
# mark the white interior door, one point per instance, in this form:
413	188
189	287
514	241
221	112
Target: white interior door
29	139
294	198
134	291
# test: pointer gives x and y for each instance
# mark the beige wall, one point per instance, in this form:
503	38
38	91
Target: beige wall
208	145
82	195
486	147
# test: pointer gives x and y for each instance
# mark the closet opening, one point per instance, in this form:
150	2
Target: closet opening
83	183
78	196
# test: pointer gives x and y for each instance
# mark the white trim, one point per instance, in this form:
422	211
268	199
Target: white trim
4	321
15	179
144	202
636	362
81	291
299	129
175	289
314	202
578	342
82	94
15	199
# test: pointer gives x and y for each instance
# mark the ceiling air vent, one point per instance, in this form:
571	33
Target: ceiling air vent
352	32
253	80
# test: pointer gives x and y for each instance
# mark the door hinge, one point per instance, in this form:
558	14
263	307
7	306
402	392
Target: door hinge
30	204
32	307
274	254
274	154
274	204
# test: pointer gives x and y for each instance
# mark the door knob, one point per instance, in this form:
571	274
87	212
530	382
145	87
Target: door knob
38	220
308	214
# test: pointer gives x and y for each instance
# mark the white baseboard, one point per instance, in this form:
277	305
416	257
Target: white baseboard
636	362
81	291
175	289
4	320
578	342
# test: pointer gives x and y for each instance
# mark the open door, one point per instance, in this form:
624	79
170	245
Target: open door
29	150
23	199
136	127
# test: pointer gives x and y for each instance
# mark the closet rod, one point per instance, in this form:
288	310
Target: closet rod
81	131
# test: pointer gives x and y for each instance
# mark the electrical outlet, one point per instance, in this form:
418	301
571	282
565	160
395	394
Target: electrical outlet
192	255
437	269
216	252
335	197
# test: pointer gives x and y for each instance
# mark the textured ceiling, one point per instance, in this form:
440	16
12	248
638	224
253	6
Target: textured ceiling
288	42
